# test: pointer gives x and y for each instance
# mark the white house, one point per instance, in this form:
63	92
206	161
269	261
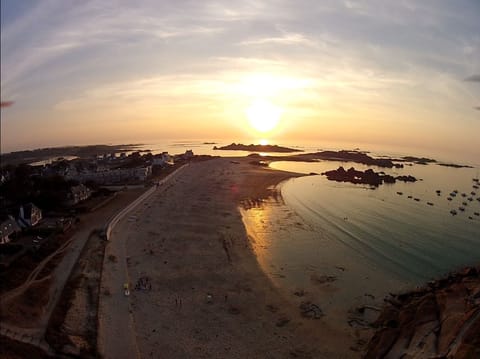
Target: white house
78	194
112	176
163	159
29	215
7	228
4	177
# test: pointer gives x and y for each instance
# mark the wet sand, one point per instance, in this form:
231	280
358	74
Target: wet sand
209	298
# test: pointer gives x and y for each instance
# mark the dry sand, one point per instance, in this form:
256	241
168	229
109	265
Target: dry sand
208	298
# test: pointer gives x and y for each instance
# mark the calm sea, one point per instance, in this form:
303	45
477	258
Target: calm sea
405	229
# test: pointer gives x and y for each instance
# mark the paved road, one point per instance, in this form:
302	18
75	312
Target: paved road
116	326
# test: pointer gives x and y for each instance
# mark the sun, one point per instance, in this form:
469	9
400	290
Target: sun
263	115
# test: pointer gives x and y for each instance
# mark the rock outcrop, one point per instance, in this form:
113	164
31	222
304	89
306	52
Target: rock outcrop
369	177
441	320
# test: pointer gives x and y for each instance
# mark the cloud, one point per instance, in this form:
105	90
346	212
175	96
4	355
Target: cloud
287	39
473	78
87	29
99	56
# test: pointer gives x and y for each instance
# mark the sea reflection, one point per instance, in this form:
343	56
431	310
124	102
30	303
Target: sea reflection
257	220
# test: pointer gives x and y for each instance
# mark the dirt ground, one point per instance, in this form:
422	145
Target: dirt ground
73	326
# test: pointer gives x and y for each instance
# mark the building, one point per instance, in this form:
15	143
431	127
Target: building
163	159
8	228
117	175
188	154
4	177
78	194
29	215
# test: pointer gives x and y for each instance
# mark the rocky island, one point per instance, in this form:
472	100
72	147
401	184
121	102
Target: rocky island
426	161
256	148
369	177
342	155
358	157
453	165
416	160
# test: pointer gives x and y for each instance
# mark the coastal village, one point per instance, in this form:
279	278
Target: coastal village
53	215
41	198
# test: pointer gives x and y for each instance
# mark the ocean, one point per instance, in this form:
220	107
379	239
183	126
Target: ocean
412	240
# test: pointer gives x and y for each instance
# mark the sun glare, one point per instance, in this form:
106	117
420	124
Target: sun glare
263	115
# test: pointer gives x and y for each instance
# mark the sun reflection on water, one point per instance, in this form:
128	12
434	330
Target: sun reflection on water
257	223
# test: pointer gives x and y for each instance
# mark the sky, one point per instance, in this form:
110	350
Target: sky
395	73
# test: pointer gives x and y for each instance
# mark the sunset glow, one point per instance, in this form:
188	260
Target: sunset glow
263	115
228	70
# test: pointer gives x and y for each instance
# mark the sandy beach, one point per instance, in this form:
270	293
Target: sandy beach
200	290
